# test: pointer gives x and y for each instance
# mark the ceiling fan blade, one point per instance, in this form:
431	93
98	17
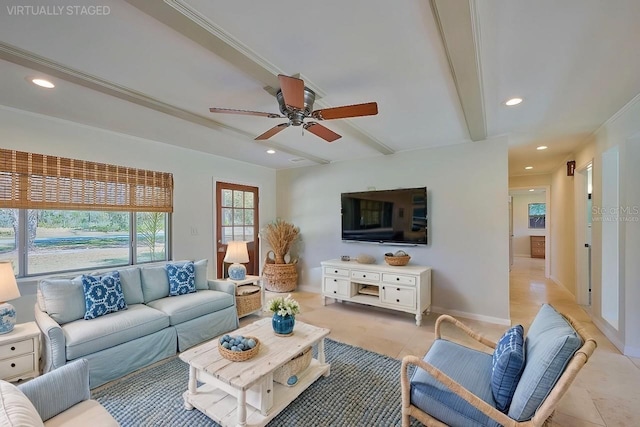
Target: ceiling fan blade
268	134
357	110
292	91
245	112
318	130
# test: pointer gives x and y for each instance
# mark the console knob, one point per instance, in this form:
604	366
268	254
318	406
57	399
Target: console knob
13	348
13	365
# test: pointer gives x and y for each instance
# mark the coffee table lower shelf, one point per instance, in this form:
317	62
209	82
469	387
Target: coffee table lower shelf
222	407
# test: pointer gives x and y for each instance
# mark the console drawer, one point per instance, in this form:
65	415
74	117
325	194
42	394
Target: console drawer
365	275
336	271
399	279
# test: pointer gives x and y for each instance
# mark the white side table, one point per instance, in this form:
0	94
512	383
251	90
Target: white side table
20	352
249	280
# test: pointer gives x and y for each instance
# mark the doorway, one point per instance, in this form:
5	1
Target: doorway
583	210
237	219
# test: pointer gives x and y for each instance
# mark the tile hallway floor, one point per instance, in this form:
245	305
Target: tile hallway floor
605	393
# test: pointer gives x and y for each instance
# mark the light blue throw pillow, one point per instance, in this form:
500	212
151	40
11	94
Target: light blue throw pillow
508	364
182	278
102	295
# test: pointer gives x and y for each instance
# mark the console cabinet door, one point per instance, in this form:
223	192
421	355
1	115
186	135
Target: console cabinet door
398	295
337	287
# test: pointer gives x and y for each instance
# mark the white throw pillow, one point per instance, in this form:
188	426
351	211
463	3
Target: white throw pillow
15	408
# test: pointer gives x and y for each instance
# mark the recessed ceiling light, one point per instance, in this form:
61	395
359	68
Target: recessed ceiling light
513	101
271	151
43	83
529	167
542	147
531	189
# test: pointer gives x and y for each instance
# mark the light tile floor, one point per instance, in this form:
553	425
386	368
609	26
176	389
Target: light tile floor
605	393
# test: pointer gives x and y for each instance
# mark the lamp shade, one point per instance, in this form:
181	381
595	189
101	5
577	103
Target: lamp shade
237	252
8	285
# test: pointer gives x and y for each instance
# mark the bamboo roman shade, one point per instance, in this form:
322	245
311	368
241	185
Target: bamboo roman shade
37	181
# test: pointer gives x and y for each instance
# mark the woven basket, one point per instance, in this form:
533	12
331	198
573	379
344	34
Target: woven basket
397	261
279	277
248	302
293	367
239	356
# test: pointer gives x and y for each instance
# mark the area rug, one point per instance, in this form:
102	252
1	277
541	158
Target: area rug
362	390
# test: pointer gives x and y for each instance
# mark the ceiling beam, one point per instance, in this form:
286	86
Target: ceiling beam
459	30
182	18
38	63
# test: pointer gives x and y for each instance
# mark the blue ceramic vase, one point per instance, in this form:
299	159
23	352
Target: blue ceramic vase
283	325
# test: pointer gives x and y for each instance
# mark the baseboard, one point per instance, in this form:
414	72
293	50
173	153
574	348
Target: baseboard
631	351
522	255
472	316
606	329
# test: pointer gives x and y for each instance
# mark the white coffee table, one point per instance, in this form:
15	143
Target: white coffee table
244	393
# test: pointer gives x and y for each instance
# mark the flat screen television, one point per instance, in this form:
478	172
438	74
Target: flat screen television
385	216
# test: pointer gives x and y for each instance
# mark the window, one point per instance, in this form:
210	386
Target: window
63	240
59	214
537	214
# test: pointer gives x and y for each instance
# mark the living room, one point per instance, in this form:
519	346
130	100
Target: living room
424	118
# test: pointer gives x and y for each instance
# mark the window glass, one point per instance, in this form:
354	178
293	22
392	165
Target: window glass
9	236
537	215
60	240
150	237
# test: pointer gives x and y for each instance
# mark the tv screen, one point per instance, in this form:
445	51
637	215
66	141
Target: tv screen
385	216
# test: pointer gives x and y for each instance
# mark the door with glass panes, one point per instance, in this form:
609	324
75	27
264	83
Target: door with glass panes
236	219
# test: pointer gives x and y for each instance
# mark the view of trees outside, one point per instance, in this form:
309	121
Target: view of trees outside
61	240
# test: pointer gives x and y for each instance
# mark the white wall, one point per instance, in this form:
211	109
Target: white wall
521	230
468	225
193	174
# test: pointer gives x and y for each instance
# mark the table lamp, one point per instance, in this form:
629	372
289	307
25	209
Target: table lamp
236	254
8	290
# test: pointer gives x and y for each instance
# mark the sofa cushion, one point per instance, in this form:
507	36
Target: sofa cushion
131	285
549	345
84	337
86	413
15	408
102	295
182	278
155	283
468	367
508	363
62	299
189	306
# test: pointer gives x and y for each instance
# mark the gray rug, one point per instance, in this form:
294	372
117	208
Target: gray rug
362	390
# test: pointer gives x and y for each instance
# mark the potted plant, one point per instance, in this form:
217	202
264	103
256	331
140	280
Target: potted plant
284	314
279	275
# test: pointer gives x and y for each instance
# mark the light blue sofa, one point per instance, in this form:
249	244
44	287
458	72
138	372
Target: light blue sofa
154	325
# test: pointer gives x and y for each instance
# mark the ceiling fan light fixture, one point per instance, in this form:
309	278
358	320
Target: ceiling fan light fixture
513	101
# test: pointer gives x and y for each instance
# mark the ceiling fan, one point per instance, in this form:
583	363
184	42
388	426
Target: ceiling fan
296	104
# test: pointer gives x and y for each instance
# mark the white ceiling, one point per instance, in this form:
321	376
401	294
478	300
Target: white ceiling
152	70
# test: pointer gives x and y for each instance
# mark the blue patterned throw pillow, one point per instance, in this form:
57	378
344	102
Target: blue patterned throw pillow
102	295
508	364
182	278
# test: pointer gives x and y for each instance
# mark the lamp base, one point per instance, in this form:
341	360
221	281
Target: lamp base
237	272
7	318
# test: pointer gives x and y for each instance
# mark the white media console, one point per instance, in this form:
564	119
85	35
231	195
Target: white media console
406	288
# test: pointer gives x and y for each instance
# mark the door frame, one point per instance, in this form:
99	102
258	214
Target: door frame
214	228
548	225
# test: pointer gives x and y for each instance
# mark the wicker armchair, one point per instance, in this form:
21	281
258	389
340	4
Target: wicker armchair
481	408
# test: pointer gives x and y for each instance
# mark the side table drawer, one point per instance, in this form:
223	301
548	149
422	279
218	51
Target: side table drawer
16	366
16	348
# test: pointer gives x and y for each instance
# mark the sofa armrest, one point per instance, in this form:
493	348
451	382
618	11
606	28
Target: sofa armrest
222	286
54	354
59	390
